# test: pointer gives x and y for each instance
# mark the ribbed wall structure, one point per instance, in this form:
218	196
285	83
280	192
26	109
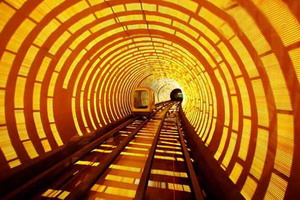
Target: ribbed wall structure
68	68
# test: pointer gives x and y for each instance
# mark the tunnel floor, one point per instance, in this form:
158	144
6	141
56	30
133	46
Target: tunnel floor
146	158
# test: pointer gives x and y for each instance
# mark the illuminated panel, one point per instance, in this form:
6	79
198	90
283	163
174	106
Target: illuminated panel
6	146
244	96
236	172
230	149
245	57
120	192
249	188
260	153
281	95
169	173
72	68
6	12
52	84
5	64
260	98
235	113
59	42
73	10
62	60
210	17
14	163
276	188
79	132
130	18
98	188
118	8
154	18
245	139
38	124
189	5
210	135
179	187
88	74
206	31
186	29
27	62
60	194
125	168
225	97
2	107
229	78
162	28
56	135
119	179
226	31
149	7
285	144
294	54
82	111
30	149
101	13
43	68
44	8
46	32
46	145
79	24
90	114
17	4
50	110
280	17
229	58
36	96
250	29
84	162
20	121
222	143
173	12
21	33
19	93
214	57
79	39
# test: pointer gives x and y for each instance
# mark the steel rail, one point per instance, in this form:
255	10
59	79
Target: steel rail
147	168
88	181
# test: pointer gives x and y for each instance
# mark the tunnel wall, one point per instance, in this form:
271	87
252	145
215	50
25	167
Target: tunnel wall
68	68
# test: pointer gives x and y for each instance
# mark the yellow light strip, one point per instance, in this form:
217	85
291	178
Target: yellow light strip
84	162
170	152
136	148
169	173
126	168
120	191
168	158
133	154
101	151
120	179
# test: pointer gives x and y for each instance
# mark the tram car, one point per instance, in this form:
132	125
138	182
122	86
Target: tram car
142	101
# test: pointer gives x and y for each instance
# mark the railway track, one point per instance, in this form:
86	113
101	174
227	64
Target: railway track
142	159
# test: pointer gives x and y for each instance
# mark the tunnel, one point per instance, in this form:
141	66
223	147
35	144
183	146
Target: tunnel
67	70
176	95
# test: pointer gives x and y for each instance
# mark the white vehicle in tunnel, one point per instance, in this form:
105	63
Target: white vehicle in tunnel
142	101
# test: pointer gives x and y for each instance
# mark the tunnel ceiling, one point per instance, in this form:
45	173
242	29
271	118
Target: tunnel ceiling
68	68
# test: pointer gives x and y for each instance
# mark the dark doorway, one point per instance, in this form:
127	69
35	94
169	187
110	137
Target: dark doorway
176	95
